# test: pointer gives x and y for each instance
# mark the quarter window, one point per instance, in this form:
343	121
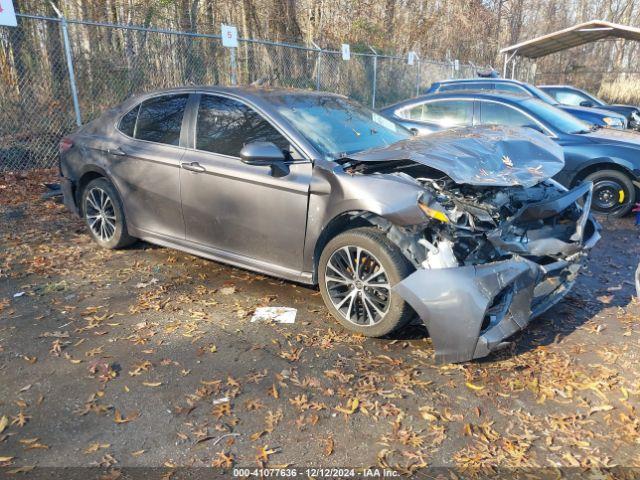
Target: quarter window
497	114
128	122
448	114
226	125
160	119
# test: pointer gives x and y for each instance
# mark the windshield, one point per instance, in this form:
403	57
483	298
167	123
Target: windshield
544	96
336	126
593	98
558	119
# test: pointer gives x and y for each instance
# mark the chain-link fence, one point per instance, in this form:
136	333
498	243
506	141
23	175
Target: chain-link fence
57	74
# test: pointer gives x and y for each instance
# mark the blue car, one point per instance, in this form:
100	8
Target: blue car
572	96
596	116
608	158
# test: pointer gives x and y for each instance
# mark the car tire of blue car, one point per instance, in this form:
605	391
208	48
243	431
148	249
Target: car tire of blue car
338	278
613	193
104	216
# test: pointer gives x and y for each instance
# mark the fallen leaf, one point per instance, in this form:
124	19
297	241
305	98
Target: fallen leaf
151	384
120	419
474	387
137	453
328	447
4	422
6	459
24	469
94	447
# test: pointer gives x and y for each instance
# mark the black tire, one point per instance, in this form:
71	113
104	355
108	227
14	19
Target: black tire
376	248
95	192
607	185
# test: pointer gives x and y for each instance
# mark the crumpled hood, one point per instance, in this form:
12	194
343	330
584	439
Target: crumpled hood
482	155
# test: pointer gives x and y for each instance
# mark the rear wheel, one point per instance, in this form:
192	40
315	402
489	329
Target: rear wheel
104	216
357	270
613	193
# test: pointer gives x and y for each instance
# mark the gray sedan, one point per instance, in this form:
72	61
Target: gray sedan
463	228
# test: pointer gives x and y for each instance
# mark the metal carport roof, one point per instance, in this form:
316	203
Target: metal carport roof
571	37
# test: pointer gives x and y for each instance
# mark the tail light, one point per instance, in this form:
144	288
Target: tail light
65	144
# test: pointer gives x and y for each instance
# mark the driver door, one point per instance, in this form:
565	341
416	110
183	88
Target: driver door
242	211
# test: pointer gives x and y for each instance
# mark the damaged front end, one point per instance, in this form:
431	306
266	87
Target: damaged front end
500	257
493	252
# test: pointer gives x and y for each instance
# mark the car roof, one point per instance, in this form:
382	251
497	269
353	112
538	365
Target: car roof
482	79
475	94
559	86
258	94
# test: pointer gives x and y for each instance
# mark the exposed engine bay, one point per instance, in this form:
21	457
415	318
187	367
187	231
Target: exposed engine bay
490	255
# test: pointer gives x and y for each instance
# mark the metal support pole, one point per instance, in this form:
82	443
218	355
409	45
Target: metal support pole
318	64
418	74
374	83
504	68
69	58
233	66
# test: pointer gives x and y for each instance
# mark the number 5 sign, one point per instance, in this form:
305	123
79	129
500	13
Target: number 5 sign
7	14
229	35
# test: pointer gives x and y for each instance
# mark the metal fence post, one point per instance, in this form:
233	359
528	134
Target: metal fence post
374	83
418	76
233	65
318	64
69	58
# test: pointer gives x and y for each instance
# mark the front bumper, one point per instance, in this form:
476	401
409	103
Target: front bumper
471	310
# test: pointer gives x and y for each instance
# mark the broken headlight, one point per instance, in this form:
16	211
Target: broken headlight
432	208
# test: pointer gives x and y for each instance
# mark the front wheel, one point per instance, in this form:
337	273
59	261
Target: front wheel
357	270
104	216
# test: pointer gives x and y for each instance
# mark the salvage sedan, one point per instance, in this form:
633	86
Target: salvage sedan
464	228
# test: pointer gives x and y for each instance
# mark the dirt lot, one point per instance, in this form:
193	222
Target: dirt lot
147	357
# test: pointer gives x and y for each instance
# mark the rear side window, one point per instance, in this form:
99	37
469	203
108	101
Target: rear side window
160	119
446	113
497	114
466	86
127	124
226	125
508	87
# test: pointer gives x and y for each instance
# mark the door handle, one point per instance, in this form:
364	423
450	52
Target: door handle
116	151
193	167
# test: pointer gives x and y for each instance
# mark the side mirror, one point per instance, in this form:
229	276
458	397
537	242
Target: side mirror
265	154
586	103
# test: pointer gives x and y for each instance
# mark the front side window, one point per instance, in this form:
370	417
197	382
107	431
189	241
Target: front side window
446	113
497	114
225	126
160	119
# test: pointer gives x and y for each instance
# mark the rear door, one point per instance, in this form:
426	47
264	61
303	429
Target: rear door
145	166
239	209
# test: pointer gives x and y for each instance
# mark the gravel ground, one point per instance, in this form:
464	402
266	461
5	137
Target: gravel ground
147	357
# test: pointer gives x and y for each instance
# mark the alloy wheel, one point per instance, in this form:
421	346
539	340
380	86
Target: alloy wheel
358	285
100	214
